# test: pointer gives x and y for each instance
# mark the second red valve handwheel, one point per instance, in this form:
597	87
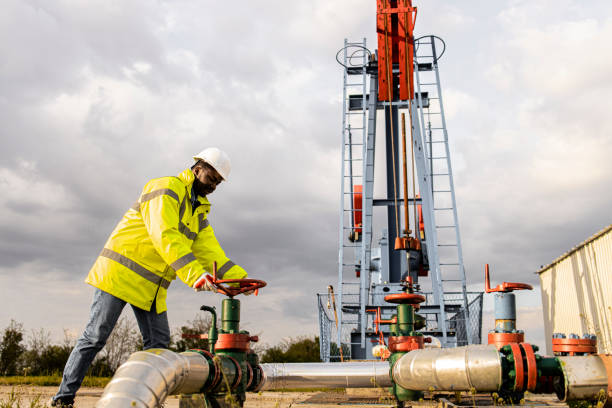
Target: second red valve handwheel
405	298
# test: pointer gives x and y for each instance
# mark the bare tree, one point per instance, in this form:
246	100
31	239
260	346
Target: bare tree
38	339
38	342
201	323
69	340
123	341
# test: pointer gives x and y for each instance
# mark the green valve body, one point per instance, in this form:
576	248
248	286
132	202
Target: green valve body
405	320
233	367
403	330
234	344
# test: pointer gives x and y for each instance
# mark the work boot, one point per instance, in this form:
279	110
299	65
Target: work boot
62	403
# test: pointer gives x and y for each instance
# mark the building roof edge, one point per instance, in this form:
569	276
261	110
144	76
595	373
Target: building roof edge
576	248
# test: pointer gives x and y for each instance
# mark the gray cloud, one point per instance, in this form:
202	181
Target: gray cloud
97	98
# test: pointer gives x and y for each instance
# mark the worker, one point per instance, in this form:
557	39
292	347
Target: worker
163	235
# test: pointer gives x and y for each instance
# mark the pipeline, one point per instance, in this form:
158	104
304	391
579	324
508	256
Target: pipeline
584	377
482	368
148	377
452	369
333	375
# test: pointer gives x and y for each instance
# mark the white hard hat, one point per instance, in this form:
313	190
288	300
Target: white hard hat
218	159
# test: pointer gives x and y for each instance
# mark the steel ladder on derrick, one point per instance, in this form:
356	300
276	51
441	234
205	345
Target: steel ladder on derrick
354	254
444	243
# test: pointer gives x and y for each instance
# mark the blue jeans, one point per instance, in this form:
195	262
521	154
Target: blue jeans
104	313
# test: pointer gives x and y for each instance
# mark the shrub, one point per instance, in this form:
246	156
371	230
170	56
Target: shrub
293	350
11	348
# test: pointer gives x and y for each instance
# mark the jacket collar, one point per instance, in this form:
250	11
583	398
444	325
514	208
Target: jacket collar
187	177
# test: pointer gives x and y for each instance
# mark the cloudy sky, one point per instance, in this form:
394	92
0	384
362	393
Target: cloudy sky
97	97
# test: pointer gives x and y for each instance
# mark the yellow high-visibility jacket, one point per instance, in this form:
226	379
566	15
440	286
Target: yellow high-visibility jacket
158	239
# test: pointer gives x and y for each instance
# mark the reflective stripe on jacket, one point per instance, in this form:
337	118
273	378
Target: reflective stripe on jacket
159	238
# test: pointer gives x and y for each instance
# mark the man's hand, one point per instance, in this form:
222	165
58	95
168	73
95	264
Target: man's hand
203	283
250	292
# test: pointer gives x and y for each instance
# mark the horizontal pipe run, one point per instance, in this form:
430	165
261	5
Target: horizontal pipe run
584	377
148	377
450	369
329	375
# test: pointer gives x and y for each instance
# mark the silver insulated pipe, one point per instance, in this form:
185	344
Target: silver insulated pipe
148	377
584	377
450	369
333	375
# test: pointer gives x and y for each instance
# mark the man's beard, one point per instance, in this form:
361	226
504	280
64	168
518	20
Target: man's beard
202	189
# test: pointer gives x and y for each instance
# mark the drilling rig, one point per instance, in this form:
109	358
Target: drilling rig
418	246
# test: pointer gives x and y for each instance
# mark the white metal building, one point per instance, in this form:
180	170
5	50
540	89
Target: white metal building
577	291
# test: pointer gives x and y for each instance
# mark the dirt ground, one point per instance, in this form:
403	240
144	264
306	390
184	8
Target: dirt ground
87	398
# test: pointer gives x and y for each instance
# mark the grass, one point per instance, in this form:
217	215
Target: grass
50	380
14	401
314	389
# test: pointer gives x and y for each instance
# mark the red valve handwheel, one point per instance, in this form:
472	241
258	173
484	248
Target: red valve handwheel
246	285
505	286
405	298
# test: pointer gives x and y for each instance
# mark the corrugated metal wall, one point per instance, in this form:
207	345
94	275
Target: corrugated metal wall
577	292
